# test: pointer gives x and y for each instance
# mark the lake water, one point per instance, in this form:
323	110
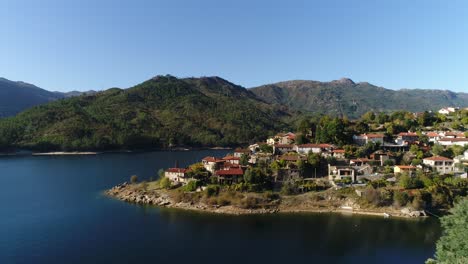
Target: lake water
52	211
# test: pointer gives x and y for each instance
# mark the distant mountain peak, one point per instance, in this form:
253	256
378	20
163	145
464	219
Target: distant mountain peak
345	81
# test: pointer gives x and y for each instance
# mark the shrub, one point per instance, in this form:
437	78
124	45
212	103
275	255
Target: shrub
165	183
250	203
288	188
400	198
191	186
134	179
271	196
211	190
417	203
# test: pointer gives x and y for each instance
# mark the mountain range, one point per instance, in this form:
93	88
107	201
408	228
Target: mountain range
208	111
346	98
339	98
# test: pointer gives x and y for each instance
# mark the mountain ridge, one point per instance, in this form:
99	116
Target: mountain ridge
344	97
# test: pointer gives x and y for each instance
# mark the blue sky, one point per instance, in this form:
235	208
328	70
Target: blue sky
82	45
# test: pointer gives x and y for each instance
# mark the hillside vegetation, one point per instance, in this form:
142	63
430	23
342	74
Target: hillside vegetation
162	112
346	98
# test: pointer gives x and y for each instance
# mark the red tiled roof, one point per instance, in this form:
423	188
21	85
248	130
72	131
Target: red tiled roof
212	159
338	151
231	158
374	135
230	165
438	158
179	170
432	134
230	172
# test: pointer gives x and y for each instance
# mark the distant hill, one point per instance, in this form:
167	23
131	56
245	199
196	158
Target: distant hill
17	96
344	97
161	112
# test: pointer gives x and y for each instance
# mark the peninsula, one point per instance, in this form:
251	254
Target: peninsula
406	174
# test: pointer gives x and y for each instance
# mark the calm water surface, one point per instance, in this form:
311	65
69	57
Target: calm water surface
52	212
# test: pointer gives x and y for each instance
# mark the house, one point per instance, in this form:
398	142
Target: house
232	160
307	148
453	141
292	158
433	136
338	153
211	163
177	175
238	152
381	156
360	162
283	148
253	148
229	176
410	170
364	139
448	110
282	138
341	172
405	138
440	164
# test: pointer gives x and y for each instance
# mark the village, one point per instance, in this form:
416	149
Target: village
409	173
286	158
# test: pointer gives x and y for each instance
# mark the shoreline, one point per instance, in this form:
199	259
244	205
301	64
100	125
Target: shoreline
63	153
164	199
71	153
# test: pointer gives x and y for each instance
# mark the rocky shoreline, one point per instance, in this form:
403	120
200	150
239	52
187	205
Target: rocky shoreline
163	198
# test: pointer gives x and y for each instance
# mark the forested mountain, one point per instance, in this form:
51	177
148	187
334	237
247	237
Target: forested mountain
17	96
161	112
346	98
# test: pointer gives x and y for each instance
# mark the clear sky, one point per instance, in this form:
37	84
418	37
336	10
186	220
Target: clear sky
67	45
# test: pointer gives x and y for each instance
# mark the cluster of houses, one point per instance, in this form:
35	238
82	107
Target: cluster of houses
445	138
229	169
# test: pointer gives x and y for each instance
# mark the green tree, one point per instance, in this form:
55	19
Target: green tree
437	149
244	160
452	247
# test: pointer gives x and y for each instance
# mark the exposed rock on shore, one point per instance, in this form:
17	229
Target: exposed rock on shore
308	202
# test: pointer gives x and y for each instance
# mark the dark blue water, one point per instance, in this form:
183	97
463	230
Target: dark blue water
52	211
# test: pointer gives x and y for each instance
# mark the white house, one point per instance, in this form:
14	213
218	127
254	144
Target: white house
433	136
307	148
453	141
405	138
448	110
211	163
366	138
177	175
440	164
